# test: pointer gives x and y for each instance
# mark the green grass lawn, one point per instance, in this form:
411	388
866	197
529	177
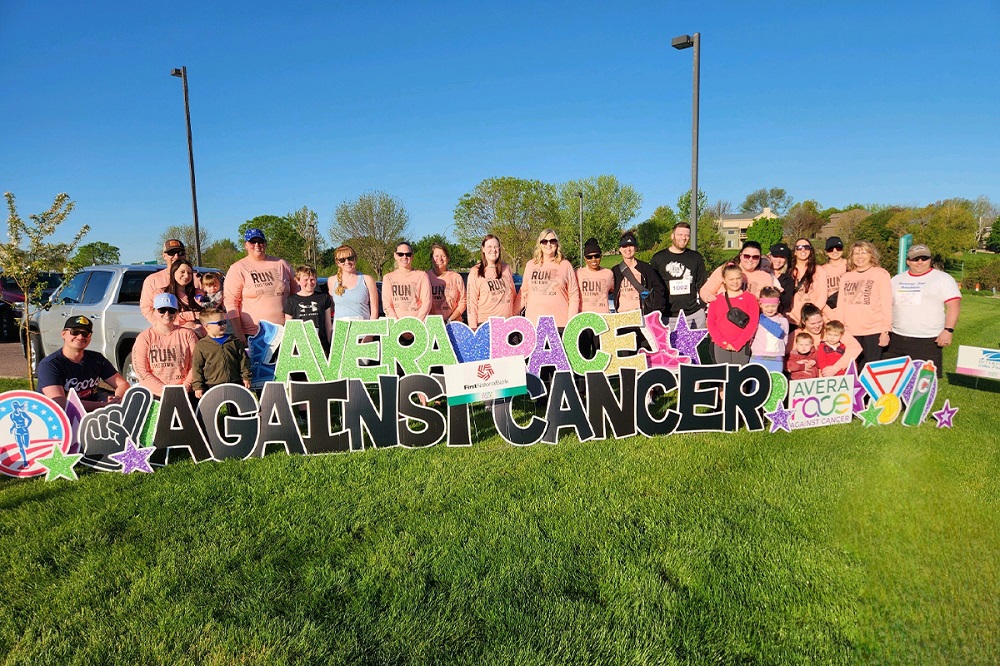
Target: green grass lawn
833	545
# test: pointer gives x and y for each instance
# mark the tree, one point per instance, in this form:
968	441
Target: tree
512	209
712	245
221	254
305	220
658	226
718	209
875	229
684	205
608	207
804	220
283	240
947	227
95	253
185	234
378	220
461	258
985	213
776	199
766	231
24	263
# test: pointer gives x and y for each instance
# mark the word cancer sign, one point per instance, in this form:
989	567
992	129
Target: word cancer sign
380	388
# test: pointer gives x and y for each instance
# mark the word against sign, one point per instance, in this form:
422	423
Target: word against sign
490	379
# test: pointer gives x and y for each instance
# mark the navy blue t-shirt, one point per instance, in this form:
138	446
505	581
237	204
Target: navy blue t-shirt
57	370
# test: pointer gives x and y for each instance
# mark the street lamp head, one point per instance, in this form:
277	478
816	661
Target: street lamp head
682	42
579	194
176	72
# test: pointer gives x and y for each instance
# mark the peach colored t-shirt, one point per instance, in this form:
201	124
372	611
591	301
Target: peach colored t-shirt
816	294
255	291
550	289
406	294
156	283
628	297
447	294
490	295
864	305
160	359
753	282
834	271
594	289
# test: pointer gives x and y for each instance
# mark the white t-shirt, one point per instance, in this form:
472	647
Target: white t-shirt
918	303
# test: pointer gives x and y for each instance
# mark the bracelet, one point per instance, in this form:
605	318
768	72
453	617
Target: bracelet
950	330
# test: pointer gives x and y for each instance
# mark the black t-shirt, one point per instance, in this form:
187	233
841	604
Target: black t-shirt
310	308
683	274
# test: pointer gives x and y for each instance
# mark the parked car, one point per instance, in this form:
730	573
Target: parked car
12	302
108	295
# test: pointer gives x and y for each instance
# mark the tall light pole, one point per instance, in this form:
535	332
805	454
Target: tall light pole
182	73
582	262
680	43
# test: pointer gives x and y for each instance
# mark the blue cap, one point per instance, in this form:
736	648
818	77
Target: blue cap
252	234
164	301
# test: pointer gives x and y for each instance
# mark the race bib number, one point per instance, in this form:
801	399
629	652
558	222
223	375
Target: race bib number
680	287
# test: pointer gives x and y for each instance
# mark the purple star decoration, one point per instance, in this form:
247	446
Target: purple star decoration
134	459
686	340
945	415
780	418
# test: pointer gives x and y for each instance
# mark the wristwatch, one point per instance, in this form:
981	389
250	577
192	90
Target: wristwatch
950	330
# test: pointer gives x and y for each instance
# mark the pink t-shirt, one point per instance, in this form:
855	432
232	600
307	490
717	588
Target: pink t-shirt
628	297
550	289
156	283
160	359
491	295
406	294
447	294
816	294
834	271
594	289
864	305
256	291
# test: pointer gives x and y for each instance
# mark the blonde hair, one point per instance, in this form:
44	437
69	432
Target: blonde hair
211	314
305	269
804	335
834	327
537	256
340	253
872	250
210	279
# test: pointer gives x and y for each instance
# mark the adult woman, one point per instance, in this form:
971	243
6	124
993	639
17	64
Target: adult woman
754	279
812	322
162	353
491	291
864	304
835	267
406	292
780	255
355	296
810	280
550	286
447	287
183	288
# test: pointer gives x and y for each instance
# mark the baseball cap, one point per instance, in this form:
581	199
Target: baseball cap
920	250
79	322
834	241
252	234
164	301
173	244
628	238
591	247
781	250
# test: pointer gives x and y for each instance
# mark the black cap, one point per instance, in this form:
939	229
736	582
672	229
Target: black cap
591	247
79	322
834	241
628	238
781	250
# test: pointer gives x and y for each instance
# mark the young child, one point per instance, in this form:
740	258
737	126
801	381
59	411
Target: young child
210	294
307	305
768	346
732	343
219	358
802	361
831	350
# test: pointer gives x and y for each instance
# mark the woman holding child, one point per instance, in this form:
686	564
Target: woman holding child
491	291
846	349
864	302
355	296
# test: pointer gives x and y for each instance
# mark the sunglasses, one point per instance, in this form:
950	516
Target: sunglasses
80	333
344	260
920	259
172	311
257	242
803	247
593	256
175	253
751	257
404	254
547	241
215	323
837	248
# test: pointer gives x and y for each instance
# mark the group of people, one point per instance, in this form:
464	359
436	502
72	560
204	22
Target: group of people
783	310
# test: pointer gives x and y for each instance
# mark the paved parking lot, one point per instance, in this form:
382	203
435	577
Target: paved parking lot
12	360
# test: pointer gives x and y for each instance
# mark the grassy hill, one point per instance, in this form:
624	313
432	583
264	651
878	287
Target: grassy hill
841	545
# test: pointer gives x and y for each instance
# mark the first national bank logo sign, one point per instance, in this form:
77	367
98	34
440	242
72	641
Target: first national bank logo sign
476	381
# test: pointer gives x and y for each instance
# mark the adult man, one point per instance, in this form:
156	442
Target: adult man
925	307
835	267
156	283
683	274
76	367
256	287
637	284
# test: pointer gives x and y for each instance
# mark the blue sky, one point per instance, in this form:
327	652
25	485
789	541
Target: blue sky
301	104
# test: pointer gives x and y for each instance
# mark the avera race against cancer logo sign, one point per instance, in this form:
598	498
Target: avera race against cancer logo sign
31	427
